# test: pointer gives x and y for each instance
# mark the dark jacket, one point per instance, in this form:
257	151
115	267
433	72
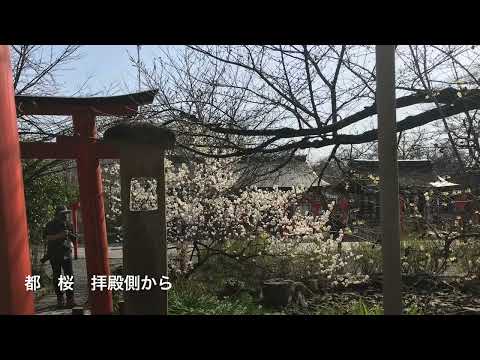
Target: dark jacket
61	249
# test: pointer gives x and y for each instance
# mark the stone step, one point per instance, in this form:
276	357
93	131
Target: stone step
46	305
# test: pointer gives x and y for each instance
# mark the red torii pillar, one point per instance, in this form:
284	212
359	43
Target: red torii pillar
74	208
14	248
87	150
93	211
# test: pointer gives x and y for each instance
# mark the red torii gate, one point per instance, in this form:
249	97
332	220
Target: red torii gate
86	149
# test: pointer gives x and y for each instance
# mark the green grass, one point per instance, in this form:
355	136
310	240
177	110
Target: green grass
360	308
195	299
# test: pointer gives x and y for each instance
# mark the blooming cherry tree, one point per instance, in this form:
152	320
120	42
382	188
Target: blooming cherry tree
208	216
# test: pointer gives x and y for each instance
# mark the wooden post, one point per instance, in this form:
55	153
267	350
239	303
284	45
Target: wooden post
387	151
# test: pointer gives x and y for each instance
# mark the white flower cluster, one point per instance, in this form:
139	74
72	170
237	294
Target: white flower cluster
204	212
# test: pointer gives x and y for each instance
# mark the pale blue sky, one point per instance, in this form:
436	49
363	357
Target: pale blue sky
105	66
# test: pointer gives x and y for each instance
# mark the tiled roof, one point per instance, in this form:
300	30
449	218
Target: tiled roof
411	173
296	173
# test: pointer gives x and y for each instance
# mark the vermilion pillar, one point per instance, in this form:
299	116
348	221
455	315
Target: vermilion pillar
74	208
93	215
14	250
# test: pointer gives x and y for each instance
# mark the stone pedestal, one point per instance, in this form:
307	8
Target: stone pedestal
145	243
78	311
277	293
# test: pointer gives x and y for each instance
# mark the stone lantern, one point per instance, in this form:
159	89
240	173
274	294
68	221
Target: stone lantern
142	150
